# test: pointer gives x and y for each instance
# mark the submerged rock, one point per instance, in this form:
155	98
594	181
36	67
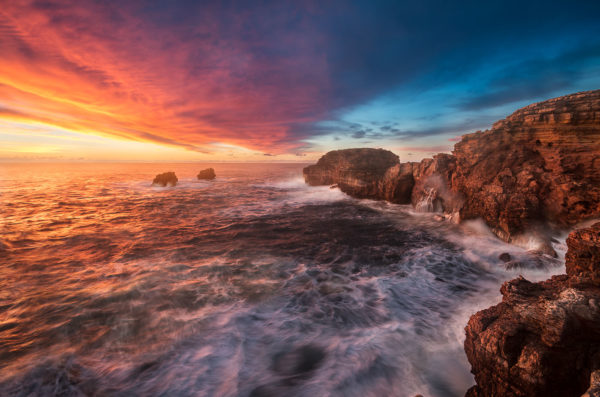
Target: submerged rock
165	179
208	173
543	339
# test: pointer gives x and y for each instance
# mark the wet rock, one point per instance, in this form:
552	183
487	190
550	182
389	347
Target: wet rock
432	191
505	257
165	179
207	174
542	339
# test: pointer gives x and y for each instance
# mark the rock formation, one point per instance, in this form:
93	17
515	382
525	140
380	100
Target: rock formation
541	164
362	173
208	173
165	179
543	339
535	170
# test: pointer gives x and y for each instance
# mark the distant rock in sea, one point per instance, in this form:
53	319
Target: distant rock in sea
536	170
543	339
165	179
208	173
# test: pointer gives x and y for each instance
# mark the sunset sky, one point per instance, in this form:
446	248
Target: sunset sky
277	81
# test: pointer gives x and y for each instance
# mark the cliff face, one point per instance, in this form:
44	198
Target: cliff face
543	339
538	167
540	164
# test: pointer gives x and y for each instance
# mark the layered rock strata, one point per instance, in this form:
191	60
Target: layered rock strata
536	170
543	339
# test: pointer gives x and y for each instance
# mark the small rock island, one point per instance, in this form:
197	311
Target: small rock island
165	179
207	174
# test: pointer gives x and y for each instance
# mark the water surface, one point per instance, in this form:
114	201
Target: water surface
250	285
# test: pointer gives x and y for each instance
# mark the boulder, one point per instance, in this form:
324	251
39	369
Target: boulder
165	179
208	174
543	339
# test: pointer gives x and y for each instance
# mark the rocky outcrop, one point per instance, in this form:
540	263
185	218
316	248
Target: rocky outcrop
433	188
583	257
207	174
165	179
536	170
539	165
543	339
362	173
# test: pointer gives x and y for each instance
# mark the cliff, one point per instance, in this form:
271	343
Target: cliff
536	170
540	165
543	339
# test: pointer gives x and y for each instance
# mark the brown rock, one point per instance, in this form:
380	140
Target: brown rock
538	167
208	173
363	173
165	179
583	256
543	339
541	164
432	190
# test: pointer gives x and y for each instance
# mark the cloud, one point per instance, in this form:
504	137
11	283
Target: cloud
535	78
269	76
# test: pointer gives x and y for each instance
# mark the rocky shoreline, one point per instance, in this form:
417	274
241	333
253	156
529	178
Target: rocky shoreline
543	339
530	175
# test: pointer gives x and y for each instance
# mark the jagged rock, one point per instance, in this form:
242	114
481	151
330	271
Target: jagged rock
432	190
165	179
583	256
543	339
208	173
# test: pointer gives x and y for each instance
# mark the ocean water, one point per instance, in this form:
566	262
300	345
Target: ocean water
250	285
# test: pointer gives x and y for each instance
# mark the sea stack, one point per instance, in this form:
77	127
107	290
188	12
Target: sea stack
165	179
543	339
207	174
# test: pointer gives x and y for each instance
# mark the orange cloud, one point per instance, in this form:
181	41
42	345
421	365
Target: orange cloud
91	68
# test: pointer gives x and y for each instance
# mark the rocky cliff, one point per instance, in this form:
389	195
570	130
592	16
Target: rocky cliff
535	170
543	339
539	165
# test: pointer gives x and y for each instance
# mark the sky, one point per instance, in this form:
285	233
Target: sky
278	80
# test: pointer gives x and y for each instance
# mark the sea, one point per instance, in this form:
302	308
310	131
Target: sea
253	284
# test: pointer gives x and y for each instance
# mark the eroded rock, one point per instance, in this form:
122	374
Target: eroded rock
543	339
207	174
165	179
